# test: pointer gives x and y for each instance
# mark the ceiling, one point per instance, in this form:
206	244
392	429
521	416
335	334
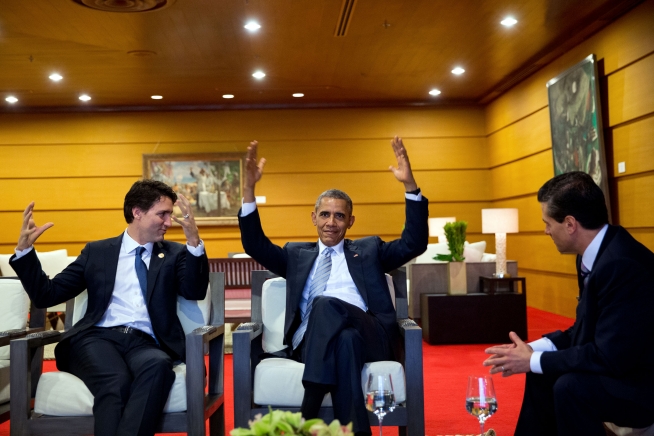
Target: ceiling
192	52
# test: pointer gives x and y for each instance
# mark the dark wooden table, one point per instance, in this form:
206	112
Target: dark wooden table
480	318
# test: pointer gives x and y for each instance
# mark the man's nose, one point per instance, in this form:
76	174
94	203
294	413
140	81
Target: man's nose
168	221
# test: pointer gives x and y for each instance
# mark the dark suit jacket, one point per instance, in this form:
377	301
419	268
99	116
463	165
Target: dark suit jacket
368	259
612	334
178	272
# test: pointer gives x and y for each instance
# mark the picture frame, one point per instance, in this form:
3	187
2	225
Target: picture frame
576	123
212	182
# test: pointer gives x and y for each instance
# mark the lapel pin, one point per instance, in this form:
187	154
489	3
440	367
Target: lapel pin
161	255
356	255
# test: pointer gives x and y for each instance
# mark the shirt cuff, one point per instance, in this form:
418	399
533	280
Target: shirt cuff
413	197
196	251
21	253
534	362
248	208
543	344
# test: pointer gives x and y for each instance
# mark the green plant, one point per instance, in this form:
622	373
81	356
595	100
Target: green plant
277	422
455	233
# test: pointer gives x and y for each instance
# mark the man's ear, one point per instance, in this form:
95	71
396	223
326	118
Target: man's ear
136	212
313	217
351	222
570	224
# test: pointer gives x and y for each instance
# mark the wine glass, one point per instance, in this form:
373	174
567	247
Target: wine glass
380	397
480	398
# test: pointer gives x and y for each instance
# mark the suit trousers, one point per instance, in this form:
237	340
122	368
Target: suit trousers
339	339
575	404
129	376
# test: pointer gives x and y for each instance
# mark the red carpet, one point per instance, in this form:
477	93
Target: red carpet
446	369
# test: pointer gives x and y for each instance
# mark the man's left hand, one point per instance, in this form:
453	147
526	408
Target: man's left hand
403	171
510	359
187	221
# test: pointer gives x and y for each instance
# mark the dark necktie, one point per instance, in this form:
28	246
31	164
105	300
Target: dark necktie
141	270
584	274
317	287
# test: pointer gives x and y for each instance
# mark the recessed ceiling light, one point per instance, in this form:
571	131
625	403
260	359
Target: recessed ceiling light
259	75
298	94
84	97
508	21
458	71
434	92
11	99
228	95
55	77
156	97
252	26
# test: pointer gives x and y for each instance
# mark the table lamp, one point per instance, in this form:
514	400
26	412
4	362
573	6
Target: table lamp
436	226
500	222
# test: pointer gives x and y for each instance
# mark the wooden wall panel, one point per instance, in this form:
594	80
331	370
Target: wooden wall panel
536	251
521	177
631	92
635	197
552	292
529	212
634	146
528	136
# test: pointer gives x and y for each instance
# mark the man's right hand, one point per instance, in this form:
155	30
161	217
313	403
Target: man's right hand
253	172
29	231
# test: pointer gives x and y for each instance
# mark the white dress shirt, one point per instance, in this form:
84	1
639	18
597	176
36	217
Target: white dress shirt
544	345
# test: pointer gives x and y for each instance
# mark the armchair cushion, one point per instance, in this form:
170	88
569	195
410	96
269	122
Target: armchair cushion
63	394
473	252
52	262
16	305
278	382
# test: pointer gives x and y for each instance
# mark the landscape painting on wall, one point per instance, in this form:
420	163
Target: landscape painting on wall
576	122
212	182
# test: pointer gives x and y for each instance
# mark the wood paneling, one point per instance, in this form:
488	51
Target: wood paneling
633	146
536	251
635	197
551	292
631	92
521	177
528	136
529	212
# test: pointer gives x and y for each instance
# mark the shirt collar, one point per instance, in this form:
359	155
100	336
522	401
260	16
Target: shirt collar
131	245
590	254
338	248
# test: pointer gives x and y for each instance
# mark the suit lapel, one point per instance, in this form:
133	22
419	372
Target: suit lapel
111	262
305	260
354	265
157	259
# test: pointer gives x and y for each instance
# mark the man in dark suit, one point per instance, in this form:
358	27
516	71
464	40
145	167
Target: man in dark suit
601	369
339	312
125	345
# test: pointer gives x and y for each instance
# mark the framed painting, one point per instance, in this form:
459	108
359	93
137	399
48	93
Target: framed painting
212	182
576	123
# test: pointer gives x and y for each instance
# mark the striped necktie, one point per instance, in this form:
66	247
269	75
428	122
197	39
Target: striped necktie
317	287
585	272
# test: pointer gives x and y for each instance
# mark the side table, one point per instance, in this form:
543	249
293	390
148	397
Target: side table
493	283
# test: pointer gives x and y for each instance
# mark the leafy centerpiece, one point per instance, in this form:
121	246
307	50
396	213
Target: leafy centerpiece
455	233
277	422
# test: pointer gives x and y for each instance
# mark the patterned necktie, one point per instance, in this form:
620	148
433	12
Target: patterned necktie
141	270
317	287
585	272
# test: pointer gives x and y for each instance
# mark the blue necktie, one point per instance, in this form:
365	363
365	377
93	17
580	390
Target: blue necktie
141	270
317	287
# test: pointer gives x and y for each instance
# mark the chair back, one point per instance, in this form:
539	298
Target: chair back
14	308
191	313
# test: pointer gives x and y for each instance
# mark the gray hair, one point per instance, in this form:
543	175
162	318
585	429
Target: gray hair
337	194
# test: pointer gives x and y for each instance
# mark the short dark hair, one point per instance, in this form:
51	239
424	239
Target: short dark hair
337	194
575	194
144	194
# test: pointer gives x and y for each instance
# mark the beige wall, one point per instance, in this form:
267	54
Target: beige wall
77	167
520	155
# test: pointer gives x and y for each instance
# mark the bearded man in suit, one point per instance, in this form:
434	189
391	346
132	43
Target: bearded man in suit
124	346
599	370
339	312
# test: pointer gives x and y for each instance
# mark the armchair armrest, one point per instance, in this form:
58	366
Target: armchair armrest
415	399
244	368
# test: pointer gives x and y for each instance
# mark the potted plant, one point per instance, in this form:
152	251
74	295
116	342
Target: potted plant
455	233
277	422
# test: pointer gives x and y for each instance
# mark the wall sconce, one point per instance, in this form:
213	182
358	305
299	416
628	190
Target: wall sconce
436	226
500	222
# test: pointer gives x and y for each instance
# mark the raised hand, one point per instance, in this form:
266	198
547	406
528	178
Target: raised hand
187	221
403	171
253	172
29	231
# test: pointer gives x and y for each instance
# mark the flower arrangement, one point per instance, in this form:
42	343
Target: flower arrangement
455	233
277	422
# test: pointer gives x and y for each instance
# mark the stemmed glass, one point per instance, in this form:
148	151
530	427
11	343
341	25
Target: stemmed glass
380	397
480	398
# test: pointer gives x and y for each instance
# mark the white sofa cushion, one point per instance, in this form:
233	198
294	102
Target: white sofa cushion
63	394
16	306
473	252
278	382
52	262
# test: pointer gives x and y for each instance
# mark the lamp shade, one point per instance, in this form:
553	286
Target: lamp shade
499	221
436	225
